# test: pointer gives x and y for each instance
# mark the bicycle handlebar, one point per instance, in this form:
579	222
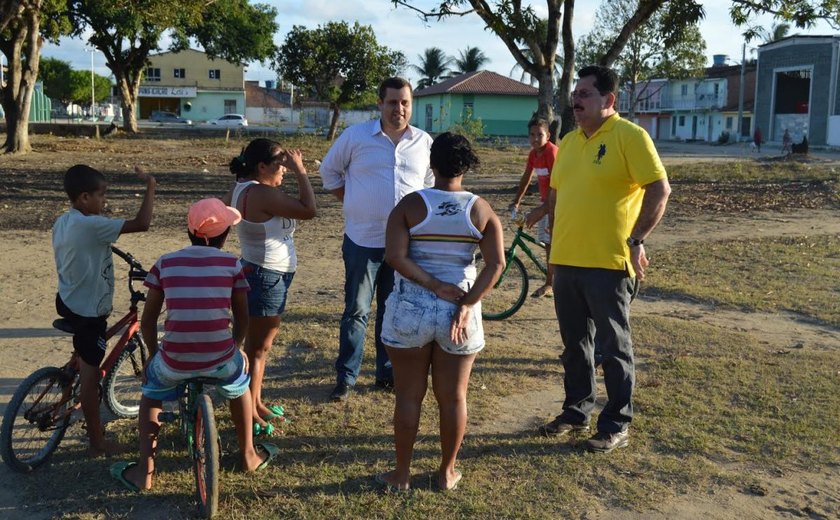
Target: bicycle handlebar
135	273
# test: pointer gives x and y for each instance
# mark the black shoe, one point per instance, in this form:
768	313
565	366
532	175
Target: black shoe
340	392
384	384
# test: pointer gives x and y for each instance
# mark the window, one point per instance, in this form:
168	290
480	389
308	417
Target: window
152	74
230	106
429	116
682	120
215	74
684	90
729	122
468	110
180	73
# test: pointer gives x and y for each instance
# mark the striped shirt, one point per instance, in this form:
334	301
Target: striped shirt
444	243
197	284
375	175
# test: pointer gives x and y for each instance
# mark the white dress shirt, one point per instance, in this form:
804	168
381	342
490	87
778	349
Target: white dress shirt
375	174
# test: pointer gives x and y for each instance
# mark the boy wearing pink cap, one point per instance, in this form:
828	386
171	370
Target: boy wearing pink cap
205	291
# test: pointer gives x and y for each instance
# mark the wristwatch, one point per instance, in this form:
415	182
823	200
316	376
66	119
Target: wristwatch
633	242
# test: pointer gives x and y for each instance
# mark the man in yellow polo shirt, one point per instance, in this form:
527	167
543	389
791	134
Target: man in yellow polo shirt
608	192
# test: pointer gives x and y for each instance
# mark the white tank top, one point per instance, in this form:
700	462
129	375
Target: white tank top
269	244
444	243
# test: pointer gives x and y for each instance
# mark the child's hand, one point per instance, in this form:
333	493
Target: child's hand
144	177
458	329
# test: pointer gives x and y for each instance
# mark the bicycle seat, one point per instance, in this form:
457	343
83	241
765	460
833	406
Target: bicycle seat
64	326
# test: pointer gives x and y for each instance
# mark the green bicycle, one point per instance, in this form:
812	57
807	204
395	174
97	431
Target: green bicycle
510	291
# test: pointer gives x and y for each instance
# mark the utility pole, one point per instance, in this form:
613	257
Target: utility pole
741	90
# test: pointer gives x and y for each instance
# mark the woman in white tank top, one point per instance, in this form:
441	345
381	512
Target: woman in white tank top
433	316
269	217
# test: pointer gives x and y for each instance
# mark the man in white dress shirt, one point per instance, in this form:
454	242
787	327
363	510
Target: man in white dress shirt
369	168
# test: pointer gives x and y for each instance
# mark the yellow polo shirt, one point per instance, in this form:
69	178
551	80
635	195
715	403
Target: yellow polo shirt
599	182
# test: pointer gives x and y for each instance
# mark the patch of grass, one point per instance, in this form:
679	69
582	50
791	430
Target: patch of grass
796	274
706	400
741	170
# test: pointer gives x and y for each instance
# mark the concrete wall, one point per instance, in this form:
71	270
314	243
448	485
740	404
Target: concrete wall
501	115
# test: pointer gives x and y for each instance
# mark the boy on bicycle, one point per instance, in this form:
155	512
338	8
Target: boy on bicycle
205	291
540	161
81	240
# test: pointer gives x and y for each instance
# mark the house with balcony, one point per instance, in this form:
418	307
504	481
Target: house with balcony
192	85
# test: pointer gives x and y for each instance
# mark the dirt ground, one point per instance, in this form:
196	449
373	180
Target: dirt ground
31	197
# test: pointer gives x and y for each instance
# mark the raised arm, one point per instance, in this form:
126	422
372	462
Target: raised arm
143	220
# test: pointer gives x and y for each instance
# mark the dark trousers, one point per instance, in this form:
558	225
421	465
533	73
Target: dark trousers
592	307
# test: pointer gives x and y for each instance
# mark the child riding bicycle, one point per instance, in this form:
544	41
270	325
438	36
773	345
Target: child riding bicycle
540	161
81	241
205	291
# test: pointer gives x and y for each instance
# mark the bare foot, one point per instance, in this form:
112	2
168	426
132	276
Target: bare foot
391	483
135	476
544	291
449	481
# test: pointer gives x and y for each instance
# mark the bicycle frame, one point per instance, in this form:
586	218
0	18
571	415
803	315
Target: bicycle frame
520	239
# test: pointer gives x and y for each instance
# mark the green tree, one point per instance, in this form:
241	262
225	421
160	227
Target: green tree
646	55
336	63
80	87
470	59
127	31
516	22
55	74
776	32
28	23
434	65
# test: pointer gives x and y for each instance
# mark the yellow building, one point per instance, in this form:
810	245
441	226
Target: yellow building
192	85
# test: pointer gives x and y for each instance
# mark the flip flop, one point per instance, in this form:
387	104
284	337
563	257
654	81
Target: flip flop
275	412
387	486
263	431
454	485
117	472
272	450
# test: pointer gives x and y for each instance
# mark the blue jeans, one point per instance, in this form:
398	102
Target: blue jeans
365	272
593	310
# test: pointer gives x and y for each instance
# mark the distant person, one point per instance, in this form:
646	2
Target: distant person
269	260
433	316
757	138
540	162
81	240
609	190
787	141
369	168
205	294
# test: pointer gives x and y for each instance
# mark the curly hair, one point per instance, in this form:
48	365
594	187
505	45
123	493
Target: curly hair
452	155
258	151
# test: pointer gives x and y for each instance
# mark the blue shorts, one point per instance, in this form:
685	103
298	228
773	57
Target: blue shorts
164	384
415	317
269	288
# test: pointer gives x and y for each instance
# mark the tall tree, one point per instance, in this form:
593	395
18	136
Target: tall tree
434	65
127	31
646	55
514	24
337	63
29	23
470	59
55	74
776	32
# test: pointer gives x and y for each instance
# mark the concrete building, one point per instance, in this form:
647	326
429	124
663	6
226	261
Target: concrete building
797	89
192	85
504	105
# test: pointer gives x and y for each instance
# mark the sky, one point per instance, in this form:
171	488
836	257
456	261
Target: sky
402	29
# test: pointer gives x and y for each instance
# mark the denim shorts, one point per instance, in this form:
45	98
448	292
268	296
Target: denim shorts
164	384
267	296
415	317
543	231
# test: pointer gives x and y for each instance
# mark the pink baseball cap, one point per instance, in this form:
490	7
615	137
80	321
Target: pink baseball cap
209	218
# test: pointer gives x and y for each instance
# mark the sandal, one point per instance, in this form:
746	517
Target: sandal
263	431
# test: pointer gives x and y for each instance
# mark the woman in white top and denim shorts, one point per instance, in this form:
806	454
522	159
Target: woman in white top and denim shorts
433	316
269	261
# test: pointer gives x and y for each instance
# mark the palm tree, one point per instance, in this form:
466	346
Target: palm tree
434	65
471	60
776	32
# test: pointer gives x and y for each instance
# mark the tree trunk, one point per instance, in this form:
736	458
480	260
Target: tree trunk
128	93
23	50
334	122
564	89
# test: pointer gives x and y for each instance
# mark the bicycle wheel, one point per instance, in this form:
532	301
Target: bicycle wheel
36	418
509	293
206	457
122	383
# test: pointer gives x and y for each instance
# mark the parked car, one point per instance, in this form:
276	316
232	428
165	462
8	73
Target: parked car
159	116
230	120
